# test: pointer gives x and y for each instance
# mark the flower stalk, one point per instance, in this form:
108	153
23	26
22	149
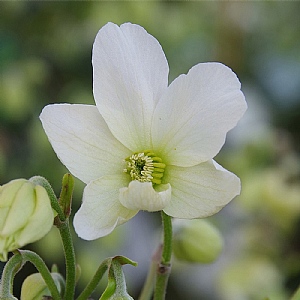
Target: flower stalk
95	280
62	223
65	233
10	270
164	266
16	263
148	287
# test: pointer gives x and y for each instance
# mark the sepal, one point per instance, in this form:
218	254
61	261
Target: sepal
116	287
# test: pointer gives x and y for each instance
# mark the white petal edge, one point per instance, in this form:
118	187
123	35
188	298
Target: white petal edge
200	191
192	118
130	73
82	141
101	210
142	196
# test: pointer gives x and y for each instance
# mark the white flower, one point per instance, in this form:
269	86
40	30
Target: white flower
146	145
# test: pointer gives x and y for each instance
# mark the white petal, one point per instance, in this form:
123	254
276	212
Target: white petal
101	210
142	196
82	141
191	120
130	73
200	191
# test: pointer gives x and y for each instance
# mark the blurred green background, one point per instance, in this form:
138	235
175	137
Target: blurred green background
45	57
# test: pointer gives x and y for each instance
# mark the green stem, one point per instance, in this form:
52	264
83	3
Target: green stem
62	223
95	280
40	265
10	270
66	237
167	245
164	267
147	290
15	264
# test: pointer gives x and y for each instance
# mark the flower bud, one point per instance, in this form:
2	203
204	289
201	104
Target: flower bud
196	241
35	288
25	215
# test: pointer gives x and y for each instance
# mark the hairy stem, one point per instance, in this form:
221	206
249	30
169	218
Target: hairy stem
66	237
163	269
95	280
10	270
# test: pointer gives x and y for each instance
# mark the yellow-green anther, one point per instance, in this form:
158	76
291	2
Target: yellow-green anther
149	154
159	165
157	175
158	159
156	181
145	167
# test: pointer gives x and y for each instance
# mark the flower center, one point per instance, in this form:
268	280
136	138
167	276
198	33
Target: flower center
145	167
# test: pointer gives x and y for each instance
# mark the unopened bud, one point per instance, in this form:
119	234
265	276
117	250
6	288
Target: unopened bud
25	215
196	241
35	288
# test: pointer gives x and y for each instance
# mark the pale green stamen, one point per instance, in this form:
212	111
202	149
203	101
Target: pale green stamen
145	167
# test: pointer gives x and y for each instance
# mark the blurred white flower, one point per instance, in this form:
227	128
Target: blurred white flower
146	145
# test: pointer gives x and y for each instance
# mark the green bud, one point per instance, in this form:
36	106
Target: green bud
35	288
65	198
25	215
196	241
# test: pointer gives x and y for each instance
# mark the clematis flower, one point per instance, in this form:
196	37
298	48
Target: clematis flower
146	145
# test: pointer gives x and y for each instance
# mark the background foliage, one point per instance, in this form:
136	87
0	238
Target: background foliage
45	57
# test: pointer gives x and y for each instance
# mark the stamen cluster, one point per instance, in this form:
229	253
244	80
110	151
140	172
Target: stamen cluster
145	167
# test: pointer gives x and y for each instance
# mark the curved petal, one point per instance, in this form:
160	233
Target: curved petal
200	191
82	141
40	222
130	73
101	210
13	206
192	118
142	196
